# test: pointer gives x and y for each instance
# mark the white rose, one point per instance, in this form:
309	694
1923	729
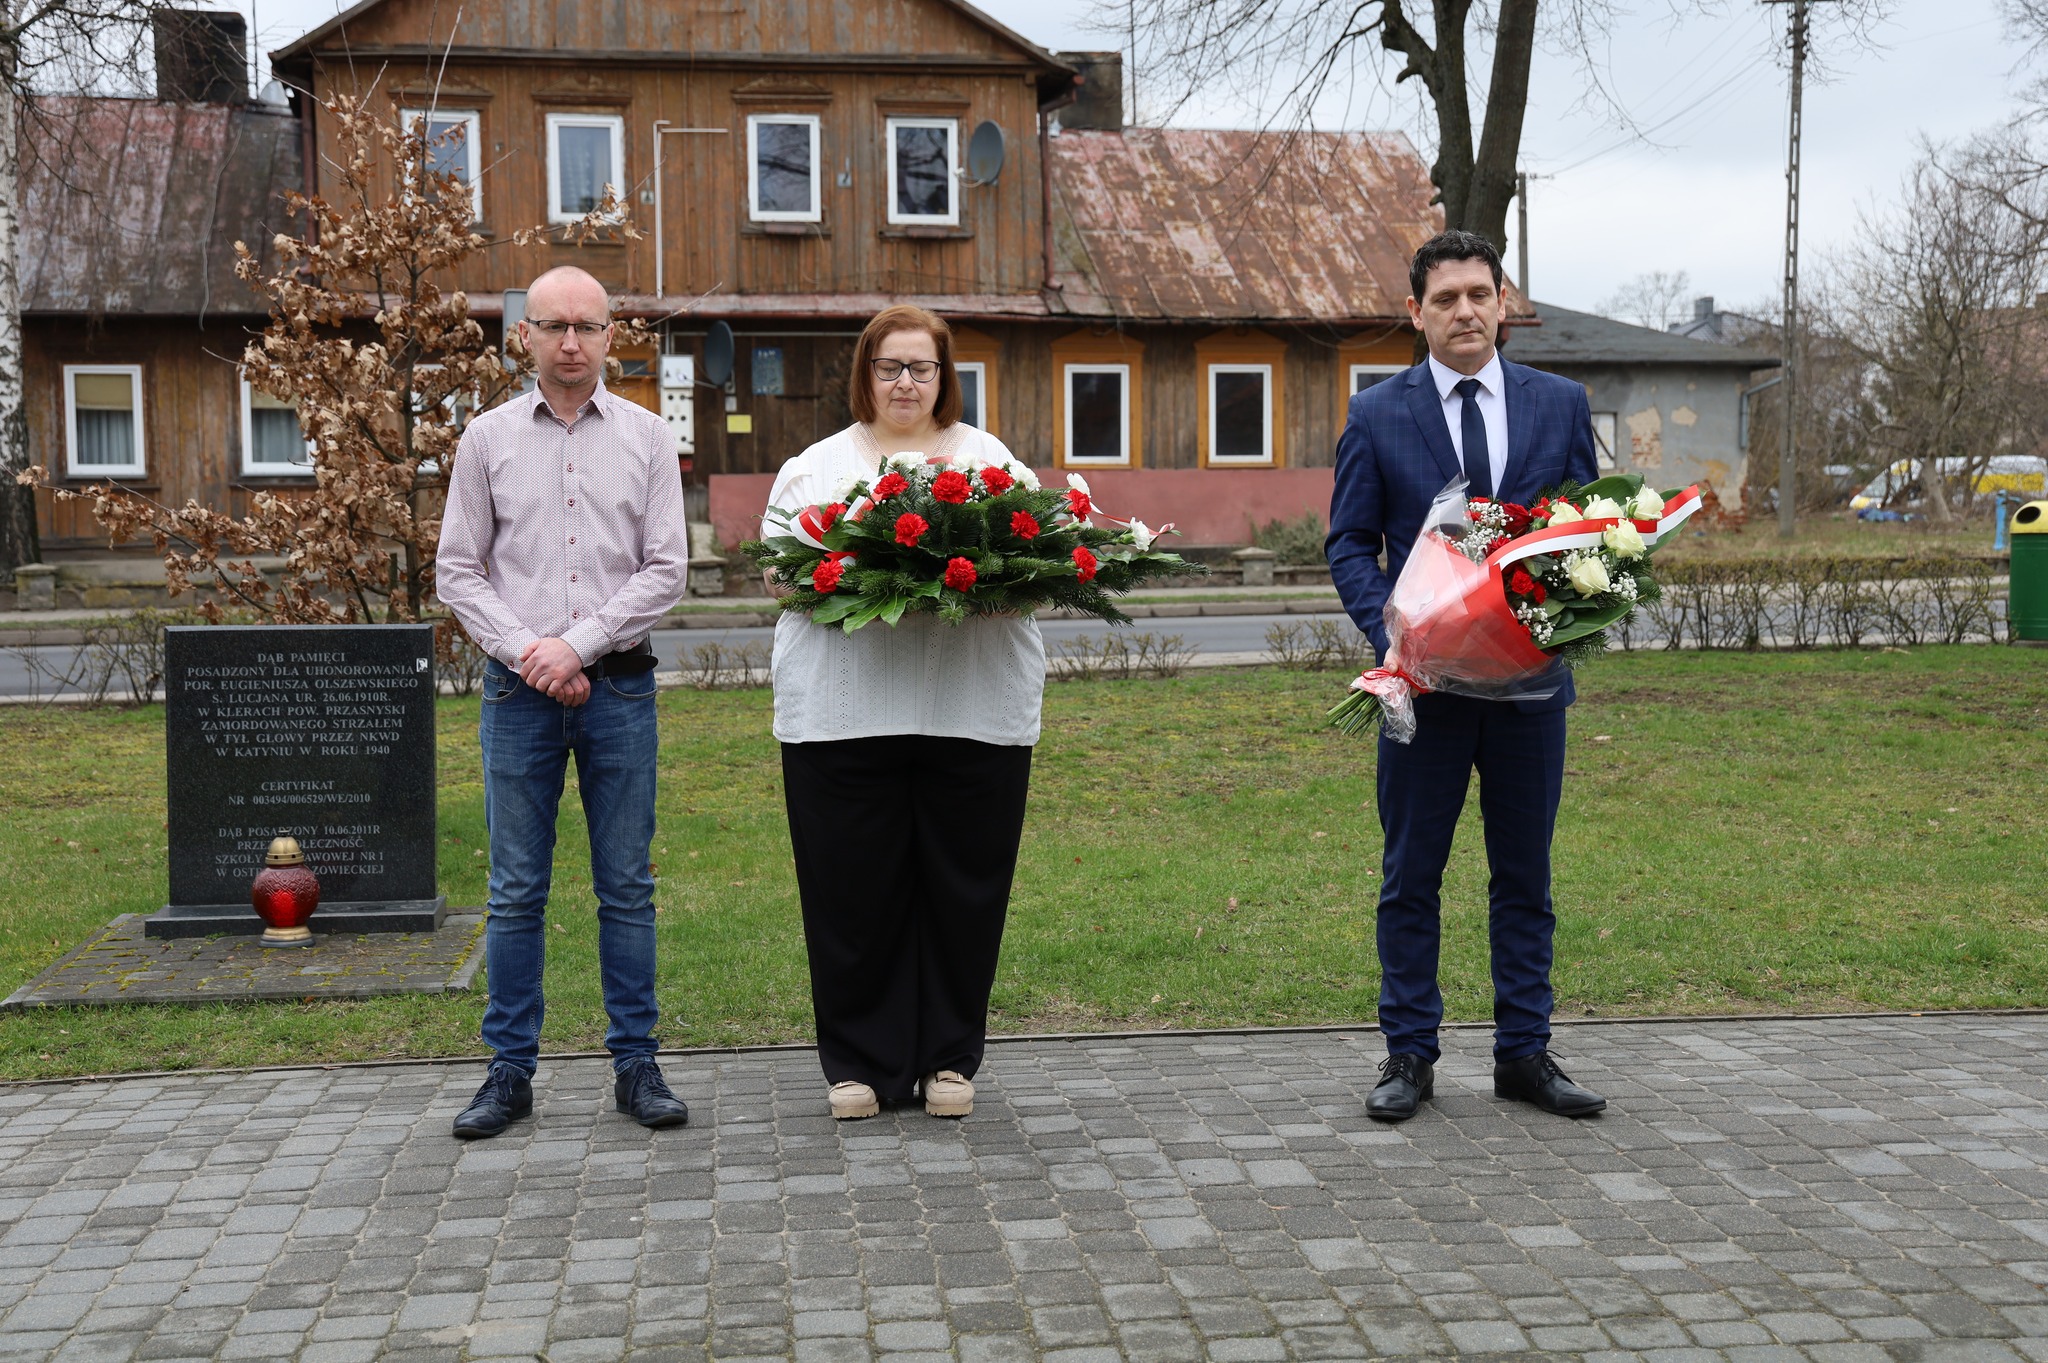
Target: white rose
1601	507
1561	512
1589	575
1624	539
1648	504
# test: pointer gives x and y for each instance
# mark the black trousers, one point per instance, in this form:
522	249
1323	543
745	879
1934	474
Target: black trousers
905	847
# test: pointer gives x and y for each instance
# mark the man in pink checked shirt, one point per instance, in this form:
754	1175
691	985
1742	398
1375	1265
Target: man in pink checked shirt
562	546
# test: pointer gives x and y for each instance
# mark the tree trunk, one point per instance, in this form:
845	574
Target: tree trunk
1492	181
19	543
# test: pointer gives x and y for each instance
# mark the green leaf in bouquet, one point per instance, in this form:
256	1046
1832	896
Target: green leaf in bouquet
1552	607
868	610
835	608
1619	486
1586	621
892	609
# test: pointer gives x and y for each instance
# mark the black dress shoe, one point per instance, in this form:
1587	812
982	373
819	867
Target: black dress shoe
1405	1081
507	1095
643	1095
1537	1079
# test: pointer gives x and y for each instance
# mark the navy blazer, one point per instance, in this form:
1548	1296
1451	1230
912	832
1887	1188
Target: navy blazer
1396	455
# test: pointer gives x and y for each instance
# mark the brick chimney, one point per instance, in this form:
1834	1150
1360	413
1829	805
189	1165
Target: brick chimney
202	56
1101	94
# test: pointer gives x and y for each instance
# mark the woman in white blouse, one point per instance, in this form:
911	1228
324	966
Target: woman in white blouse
906	754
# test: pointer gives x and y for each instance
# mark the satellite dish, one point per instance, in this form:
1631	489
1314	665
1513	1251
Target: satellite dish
985	154
718	353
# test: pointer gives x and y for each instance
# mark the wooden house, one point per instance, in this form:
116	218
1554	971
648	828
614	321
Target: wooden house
1181	313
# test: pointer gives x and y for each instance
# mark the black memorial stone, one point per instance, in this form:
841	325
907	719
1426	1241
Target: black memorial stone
321	732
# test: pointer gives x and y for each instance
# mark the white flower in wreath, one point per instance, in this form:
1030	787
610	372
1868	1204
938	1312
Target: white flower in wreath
1648	504
1142	534
1624	539
1601	507
1562	513
1588	574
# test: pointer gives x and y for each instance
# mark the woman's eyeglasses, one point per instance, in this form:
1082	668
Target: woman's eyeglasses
921	371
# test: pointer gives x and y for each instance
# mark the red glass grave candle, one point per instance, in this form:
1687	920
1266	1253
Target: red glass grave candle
285	895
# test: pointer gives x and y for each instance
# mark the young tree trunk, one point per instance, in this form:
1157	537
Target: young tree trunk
18	540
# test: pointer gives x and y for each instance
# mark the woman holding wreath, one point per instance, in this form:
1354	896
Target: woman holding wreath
906	754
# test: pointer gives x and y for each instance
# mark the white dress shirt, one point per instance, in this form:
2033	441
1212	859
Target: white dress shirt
1493	410
983	678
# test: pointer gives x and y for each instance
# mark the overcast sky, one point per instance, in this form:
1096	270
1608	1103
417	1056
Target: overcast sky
1707	195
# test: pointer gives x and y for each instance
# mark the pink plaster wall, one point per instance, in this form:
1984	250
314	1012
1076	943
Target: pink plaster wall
1207	506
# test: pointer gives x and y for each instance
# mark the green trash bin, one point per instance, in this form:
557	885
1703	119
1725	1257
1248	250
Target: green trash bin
2027	607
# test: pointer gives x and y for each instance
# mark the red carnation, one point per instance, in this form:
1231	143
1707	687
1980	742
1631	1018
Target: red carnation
1079	503
996	481
1537	593
910	527
1084	562
890	485
1023	525
825	577
1518	517
1521	584
959	574
952	486
834	512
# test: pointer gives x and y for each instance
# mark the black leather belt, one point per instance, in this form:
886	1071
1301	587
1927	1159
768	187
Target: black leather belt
627	662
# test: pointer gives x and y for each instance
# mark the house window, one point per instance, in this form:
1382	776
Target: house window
452	141
1603	440
102	419
922	182
273	443
973	392
1098	414
1240	413
782	168
586	152
1364	376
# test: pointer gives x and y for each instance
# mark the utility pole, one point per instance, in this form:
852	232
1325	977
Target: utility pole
1522	231
1788	463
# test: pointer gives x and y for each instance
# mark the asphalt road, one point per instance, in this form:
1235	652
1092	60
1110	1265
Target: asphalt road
1205	634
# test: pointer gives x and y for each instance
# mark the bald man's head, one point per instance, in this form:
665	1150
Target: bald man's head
566	287
567	330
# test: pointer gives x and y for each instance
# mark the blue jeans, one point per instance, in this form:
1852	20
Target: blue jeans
527	742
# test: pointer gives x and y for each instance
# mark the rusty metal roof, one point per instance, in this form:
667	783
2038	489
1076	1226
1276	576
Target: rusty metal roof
1191	224
134	205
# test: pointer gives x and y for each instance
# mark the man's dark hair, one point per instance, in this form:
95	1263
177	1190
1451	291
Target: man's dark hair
1446	246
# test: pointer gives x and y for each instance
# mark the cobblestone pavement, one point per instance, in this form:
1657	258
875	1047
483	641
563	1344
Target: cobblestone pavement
1839	1190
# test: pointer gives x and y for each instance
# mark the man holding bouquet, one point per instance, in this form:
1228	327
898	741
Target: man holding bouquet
1510	432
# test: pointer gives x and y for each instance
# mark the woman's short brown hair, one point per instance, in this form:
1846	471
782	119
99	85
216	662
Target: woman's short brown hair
860	386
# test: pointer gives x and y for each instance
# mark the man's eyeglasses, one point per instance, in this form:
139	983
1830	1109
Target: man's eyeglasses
556	330
921	371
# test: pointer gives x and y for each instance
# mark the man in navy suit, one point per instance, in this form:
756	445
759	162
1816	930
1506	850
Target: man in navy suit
1511	432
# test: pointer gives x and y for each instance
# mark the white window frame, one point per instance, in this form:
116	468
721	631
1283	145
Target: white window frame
951	217
72	467
614	124
1265	372
979	368
1612	462
472	131
1383	370
1074	367
252	469
754	210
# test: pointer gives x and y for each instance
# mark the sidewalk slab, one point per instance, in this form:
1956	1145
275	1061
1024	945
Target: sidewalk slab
1838	1189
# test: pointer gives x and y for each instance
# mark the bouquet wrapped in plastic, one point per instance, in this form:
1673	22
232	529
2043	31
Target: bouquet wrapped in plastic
1496	600
958	538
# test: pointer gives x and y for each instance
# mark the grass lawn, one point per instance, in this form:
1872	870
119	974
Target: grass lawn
1740	833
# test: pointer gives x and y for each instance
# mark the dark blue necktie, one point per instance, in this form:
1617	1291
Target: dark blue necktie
1478	459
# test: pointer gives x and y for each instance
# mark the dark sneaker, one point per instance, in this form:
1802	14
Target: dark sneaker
1406	1081
643	1095
507	1095
1537	1079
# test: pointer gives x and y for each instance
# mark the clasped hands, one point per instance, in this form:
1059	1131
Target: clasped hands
553	668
